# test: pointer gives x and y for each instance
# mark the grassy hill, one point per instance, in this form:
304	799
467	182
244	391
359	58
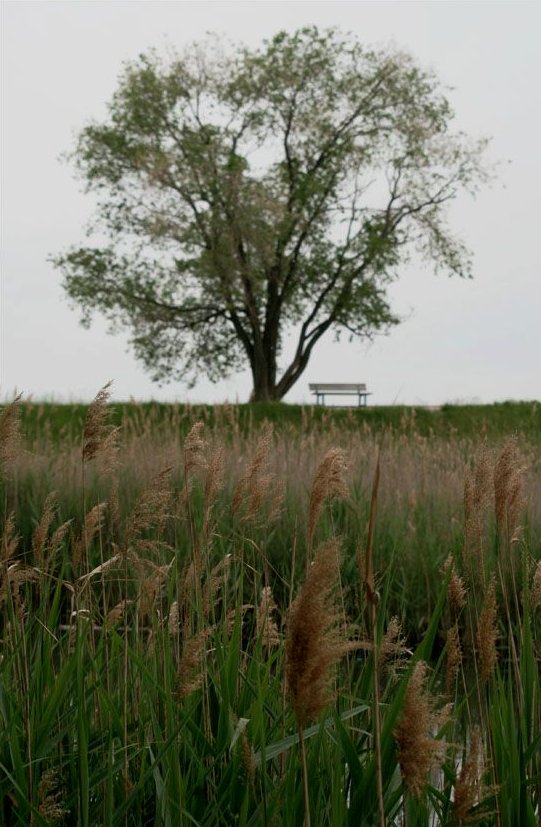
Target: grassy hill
497	420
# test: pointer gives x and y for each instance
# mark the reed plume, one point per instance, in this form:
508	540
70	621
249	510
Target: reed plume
97	428
92	525
456	590
13	578
487	632
453	657
418	751
216	579
190	668
313	646
508	490
328	484
10	540
392	651
10	435
41	532
248	758
266	626
255	487
470	791
477	497
313	642
195	448
51	798
116	614
173	620
151	511
213	483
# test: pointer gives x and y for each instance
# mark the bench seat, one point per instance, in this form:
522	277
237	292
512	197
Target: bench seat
323	389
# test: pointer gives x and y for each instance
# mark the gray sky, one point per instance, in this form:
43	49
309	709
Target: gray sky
461	340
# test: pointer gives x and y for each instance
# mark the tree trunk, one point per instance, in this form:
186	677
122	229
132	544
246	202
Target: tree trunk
265	388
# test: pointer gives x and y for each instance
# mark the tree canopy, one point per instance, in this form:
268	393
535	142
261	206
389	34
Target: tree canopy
244	195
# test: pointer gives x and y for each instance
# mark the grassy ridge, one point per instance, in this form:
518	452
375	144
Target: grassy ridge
497	420
155	666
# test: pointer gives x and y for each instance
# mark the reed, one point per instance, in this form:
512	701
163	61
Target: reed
154	604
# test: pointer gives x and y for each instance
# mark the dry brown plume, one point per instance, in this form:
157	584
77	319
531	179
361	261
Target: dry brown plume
92	525
44	548
10	435
10	540
97	428
151	511
116	614
393	651
190	668
456	590
51	798
213	483
313	643
469	789
508	490
477	498
266	626
418	751
216	579
257	486
487	632
328	484
453	658
195	448
173	620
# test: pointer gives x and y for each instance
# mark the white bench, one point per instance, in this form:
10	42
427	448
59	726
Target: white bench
323	389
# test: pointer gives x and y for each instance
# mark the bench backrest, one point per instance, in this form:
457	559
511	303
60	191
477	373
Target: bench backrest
338	387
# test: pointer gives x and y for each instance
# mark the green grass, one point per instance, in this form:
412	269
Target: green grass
66	421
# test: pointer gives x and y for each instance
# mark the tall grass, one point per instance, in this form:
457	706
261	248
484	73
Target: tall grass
212	625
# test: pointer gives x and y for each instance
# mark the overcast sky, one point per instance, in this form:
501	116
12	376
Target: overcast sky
460	340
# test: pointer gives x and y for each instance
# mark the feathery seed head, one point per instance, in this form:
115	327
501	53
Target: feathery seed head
470	791
195	448
393	650
508	489
97	428
456	590
151	511
454	658
10	540
314	644
116	614
487	632
254	487
92	525
418	751
10	435
51	797
173	621
329	484
41	532
266	626
190	668
477	497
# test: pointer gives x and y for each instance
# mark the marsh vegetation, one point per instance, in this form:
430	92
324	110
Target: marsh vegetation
217	619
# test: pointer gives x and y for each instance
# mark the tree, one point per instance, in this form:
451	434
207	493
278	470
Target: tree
248	194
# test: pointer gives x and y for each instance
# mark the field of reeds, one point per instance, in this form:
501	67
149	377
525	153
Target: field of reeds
223	617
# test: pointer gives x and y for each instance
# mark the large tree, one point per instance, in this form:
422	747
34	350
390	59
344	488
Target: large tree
250	194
